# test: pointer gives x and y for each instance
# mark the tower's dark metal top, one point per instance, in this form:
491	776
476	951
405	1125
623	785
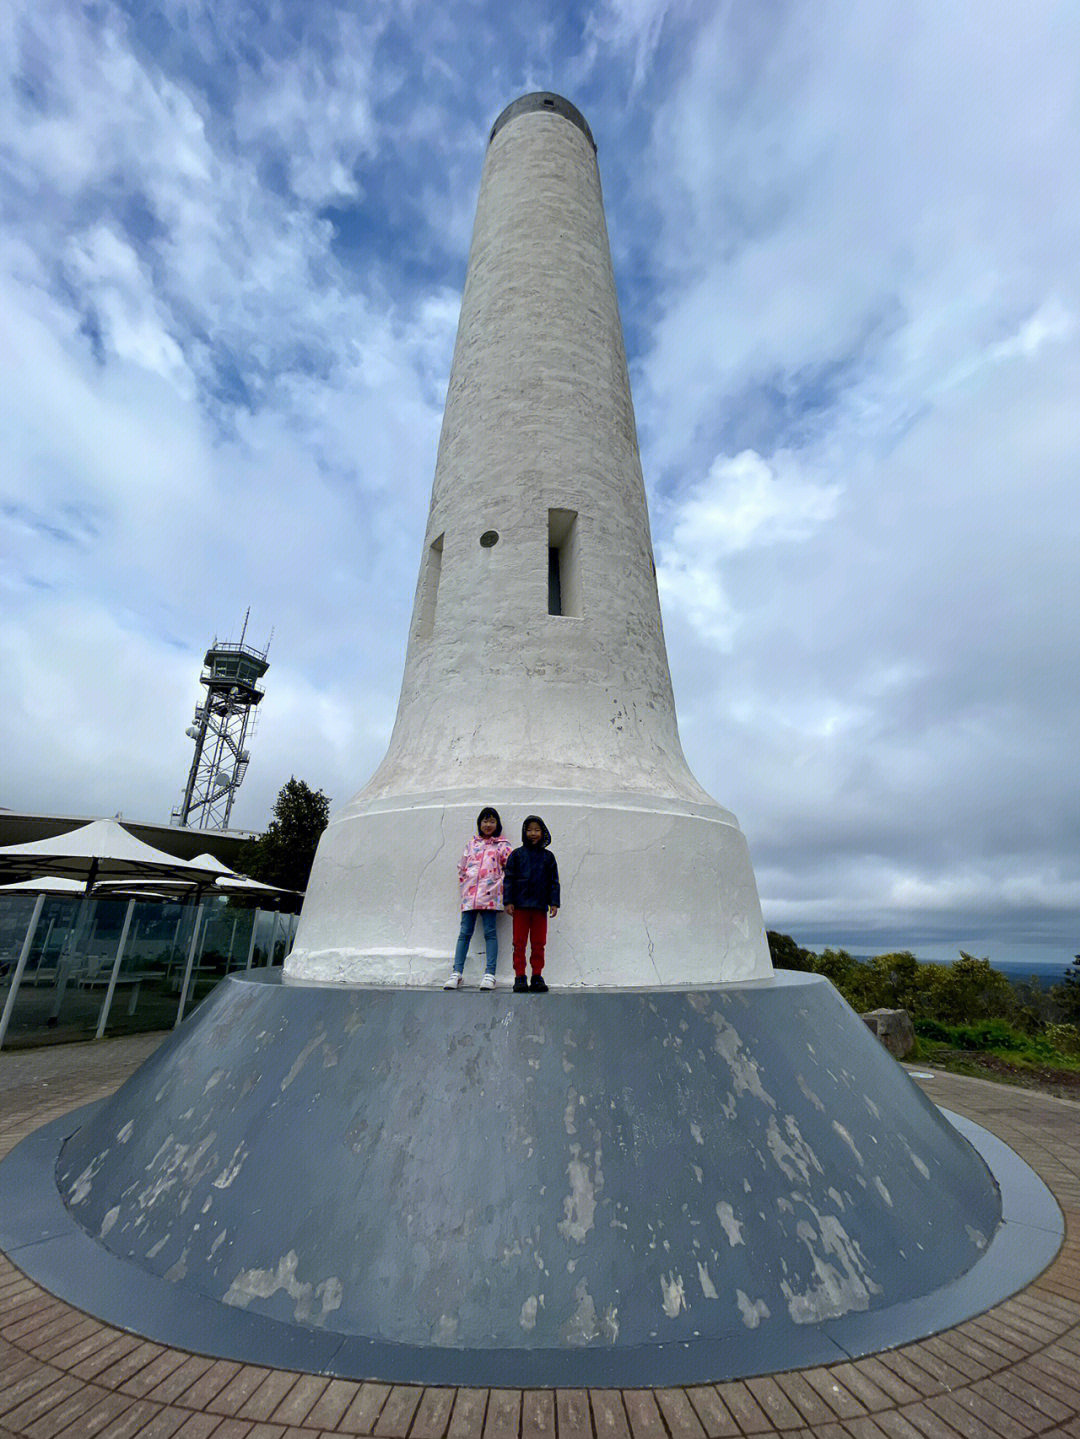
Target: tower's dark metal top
543	100
235	669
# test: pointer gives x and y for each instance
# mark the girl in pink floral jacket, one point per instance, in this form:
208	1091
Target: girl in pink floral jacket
480	873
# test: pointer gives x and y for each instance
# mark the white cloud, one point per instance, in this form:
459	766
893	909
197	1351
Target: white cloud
313	105
1052	321
744	503
124	505
855	192
112	278
747	501
633	25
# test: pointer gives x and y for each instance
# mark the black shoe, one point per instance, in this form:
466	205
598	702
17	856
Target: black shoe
521	984
537	985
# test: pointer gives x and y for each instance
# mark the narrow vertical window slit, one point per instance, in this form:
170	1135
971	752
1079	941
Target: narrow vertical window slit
429	589
564	577
554	582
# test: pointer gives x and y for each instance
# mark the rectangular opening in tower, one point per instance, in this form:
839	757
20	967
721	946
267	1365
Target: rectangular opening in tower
564	579
429	588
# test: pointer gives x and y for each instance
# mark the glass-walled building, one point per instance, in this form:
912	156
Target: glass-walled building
170	954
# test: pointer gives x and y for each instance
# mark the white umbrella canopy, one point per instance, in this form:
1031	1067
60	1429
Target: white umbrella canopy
103	856
223	884
102	849
153	891
240	884
225	880
229	881
212	863
46	885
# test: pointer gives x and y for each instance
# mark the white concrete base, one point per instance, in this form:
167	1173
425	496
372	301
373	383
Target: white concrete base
654	892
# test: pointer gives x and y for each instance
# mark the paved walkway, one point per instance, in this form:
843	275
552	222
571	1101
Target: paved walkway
1013	1372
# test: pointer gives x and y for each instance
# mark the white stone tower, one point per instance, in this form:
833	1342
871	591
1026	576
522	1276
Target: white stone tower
536	677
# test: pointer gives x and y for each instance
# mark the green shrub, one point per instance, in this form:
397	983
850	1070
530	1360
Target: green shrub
994	1034
931	1029
1064	1038
989	1034
968	1004
965	992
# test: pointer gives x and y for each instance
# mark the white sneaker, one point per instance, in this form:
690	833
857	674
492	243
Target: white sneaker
488	982
456	980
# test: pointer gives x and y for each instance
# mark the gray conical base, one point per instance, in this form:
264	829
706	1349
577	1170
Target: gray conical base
632	1186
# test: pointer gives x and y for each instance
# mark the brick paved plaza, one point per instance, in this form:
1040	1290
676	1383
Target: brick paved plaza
1013	1371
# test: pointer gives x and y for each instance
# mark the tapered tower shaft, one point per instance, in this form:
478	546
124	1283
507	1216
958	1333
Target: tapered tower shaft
536	674
538	505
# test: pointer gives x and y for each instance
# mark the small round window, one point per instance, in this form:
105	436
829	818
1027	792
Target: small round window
489	538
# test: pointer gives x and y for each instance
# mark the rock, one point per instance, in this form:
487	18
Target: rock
894	1028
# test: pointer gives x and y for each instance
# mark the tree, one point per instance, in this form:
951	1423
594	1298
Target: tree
968	990
846	974
839	968
1067	994
786	954
894	981
1036	1006
283	855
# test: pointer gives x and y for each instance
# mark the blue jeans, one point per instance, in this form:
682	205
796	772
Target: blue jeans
465	934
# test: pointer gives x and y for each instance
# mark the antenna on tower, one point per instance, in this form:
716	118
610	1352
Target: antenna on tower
223	723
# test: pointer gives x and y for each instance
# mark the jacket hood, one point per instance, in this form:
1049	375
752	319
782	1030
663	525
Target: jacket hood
545	833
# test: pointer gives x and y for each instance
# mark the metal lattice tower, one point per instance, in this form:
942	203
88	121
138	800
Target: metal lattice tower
223	724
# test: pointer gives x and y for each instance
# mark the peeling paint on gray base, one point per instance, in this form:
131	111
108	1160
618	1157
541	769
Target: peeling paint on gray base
609	1187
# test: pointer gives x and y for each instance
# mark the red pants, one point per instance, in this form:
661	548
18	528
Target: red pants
529	924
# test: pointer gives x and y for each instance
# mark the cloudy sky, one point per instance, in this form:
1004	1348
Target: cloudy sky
846	239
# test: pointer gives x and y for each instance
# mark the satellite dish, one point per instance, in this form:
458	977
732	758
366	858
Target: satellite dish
192	732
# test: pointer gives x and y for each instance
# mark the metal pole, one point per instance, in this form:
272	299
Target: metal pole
196	759
106	1003
232	941
16	978
237	743
73	940
190	961
69	955
254	933
172	947
94	917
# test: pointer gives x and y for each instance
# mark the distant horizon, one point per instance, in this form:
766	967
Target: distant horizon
1000	952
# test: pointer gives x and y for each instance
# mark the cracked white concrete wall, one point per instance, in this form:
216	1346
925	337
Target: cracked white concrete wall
569	715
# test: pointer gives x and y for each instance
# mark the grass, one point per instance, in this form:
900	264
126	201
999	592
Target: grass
994	1049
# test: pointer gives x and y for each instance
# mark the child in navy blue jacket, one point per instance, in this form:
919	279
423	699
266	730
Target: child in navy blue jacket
531	895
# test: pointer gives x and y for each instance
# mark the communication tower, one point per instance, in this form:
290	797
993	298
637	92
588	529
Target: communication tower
223	724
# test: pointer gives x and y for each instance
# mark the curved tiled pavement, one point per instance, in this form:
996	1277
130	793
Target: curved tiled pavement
1012	1372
